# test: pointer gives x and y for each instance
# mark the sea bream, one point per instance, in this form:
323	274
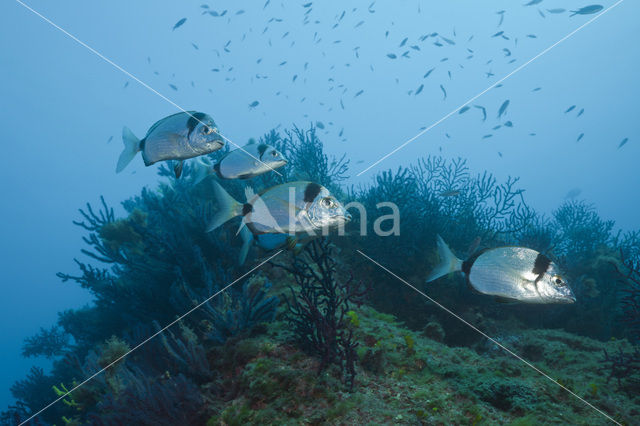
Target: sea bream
299	209
247	162
510	272
176	137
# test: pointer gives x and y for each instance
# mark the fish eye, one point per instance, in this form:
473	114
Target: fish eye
558	280
327	202
207	130
274	153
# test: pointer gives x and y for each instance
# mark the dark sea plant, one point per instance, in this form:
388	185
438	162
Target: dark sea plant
318	307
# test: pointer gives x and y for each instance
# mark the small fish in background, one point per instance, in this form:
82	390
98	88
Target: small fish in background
450	193
391	56
501	13
512	273
537	89
573	193
484	111
508	124
110	139
253	104
176	137
179	24
556	11
419	90
314	209
464	109
173	86
580	136
126	84
587	10
404	41
571	108
624	141
444	92
247	162
448	41
359	93
533	2
319	124
428	73
580	112
498	34
503	108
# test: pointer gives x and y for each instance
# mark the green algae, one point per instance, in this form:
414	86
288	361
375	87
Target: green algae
405	377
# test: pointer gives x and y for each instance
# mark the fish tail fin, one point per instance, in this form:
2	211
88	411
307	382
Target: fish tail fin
448	262
228	208
247	239
131	148
200	172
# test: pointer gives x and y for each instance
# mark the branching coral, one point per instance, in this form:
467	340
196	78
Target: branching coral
624	367
629	273
49	343
152	401
318	309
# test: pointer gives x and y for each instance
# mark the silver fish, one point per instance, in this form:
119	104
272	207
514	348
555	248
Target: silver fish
516	273
299	209
176	137
250	161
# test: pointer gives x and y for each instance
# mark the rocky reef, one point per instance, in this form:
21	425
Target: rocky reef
322	335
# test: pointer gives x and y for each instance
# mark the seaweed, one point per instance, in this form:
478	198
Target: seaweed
318	310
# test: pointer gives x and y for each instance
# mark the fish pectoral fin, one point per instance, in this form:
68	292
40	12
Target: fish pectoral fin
503	300
286	203
177	169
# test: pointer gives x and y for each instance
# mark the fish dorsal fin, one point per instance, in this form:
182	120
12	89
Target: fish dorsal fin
167	118
249	193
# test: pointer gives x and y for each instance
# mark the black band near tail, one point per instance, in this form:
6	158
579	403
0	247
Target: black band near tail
467	264
246	209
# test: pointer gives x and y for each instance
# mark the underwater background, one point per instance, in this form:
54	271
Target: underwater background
336	87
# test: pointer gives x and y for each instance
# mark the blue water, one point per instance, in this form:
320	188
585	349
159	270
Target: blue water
61	104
